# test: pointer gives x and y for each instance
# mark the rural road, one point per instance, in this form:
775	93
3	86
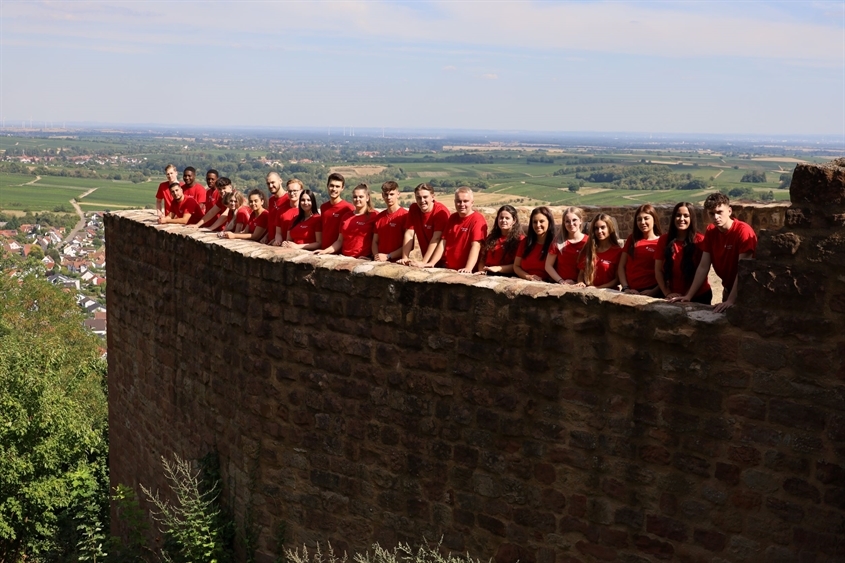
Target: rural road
81	222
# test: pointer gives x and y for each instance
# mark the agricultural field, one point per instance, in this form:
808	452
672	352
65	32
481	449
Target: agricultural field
46	193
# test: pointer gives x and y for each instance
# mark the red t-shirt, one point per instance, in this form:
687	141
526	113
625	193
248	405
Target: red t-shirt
197	192
276	206
607	263
533	264
212	200
459	235
305	232
164	193
284	221
677	284
333	216
639	268
390	228
425	225
259	220
497	256
566	258
357	231
187	205
242	216
725	248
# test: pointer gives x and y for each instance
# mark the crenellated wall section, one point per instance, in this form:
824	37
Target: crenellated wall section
359	402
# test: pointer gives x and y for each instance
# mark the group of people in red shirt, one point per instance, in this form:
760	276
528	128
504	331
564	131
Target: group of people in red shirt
673	265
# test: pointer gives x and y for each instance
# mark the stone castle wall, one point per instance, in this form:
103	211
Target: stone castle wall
358	402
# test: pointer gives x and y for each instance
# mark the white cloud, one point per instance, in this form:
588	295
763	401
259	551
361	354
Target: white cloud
450	68
490	76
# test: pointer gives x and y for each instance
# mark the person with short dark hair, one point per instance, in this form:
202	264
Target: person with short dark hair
530	261
356	232
211	193
390	224
498	252
256	228
191	188
599	259
726	242
278	203
427	219
184	210
679	254
334	211
163	197
217	214
636	263
562	260
305	233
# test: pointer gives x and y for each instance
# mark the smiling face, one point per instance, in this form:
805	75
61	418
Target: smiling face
360	198
293	192
425	199
255	202
274	184
305	204
600	230
572	224
463	203
540	224
188	176
505	221
233	203
172	175
334	188
645	223
682	219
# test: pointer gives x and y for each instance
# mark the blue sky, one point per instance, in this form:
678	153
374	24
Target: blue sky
674	67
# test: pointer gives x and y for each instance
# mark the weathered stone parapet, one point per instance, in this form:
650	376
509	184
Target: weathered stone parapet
361	402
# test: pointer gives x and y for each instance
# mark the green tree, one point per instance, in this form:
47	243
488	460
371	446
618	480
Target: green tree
53	426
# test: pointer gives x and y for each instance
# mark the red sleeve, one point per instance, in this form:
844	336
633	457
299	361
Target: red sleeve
628	241
520	252
660	250
161	189
707	242
413	212
261	220
747	239
318	223
242	216
440	219
479	230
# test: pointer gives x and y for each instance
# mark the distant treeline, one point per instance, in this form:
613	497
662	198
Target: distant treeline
639	177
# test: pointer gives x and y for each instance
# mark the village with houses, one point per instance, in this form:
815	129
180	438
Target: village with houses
73	260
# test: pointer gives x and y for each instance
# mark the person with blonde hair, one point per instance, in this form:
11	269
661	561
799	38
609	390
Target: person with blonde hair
562	260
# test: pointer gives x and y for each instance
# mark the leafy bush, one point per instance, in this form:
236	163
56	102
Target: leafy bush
755	176
400	554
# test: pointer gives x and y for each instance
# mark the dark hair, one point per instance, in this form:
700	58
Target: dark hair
531	236
315	206
590	250
637	234
222	182
189	169
714	200
512	242
389	186
212	171
259	193
336	176
174	184
688	252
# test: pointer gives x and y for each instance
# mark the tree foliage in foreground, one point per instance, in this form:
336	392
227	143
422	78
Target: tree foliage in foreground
53	427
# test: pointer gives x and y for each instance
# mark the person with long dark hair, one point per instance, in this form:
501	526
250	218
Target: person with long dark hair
679	254
636	264
306	231
562	261
530	261
499	249
599	259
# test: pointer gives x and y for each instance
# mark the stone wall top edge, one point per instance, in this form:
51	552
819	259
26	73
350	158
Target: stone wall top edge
510	287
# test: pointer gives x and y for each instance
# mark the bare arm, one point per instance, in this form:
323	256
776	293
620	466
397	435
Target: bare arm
517	269
333	249
620	274
472	260
700	275
731	300
550	268
407	245
433	246
661	280
222	220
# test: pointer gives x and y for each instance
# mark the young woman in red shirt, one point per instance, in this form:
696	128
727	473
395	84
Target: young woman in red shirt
306	231
562	261
256	227
678	255
599	259
530	262
636	265
499	249
238	217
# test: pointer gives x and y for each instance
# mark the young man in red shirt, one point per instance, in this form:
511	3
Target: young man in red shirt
334	211
184	210
466	230
191	188
278	203
388	240
212	196
726	242
285	218
426	219
163	196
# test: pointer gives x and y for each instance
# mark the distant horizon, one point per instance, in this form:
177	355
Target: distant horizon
762	68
